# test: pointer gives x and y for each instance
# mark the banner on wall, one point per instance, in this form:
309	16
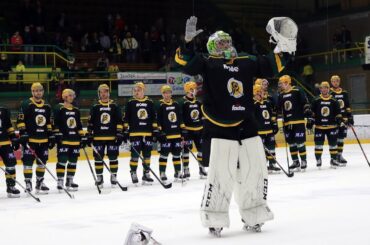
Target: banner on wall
153	82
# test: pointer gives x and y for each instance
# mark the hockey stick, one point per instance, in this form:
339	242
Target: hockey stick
359	143
47	169
16	181
289	174
91	169
182	167
166	186
123	188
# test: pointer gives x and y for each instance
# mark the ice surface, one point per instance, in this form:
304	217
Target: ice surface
328	206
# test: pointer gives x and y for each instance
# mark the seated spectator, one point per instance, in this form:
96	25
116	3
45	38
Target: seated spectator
19	69
54	75
130	46
102	64
116	49
113	69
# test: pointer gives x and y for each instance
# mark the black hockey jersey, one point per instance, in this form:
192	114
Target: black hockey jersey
265	116
292	104
68	122
228	84
191	113
105	120
6	128
342	97
140	117
35	120
169	119
325	112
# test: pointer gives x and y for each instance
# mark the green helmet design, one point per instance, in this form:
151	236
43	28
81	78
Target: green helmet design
220	44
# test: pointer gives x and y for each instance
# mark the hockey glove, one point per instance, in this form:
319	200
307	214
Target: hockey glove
119	138
58	138
126	137
84	142
15	143
310	123
51	142
275	128
185	134
191	29
307	111
350	121
89	140
23	140
161	137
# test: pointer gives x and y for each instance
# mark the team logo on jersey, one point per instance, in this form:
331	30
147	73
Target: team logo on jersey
105	118
288	105
172	117
194	114
341	104
142	114
40	120
71	122
235	88
325	111
266	114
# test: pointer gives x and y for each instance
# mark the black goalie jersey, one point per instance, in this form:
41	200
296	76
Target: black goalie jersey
105	120
292	104
140	118
67	121
34	119
265	116
325	112
191	114
342	97
169	119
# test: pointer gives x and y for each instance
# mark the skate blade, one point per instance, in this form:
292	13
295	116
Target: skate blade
13	195
147	183
39	192
215	234
203	177
72	189
60	190
113	186
333	167
319	167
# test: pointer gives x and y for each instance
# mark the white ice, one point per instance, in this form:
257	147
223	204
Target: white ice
328	206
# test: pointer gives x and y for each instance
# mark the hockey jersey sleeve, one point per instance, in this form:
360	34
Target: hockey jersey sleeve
126	116
49	120
158	110
21	124
119	119
90	123
8	124
56	119
190	62
79	124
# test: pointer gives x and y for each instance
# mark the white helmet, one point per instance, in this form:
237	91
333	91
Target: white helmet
283	32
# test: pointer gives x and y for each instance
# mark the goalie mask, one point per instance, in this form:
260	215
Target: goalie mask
220	44
283	31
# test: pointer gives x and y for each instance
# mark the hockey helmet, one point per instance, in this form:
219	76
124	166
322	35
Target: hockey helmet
68	91
285	79
257	89
35	86
165	88
335	78
324	84
283	31
189	85
140	85
220	44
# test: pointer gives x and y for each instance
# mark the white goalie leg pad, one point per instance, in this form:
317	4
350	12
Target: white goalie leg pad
251	187
220	183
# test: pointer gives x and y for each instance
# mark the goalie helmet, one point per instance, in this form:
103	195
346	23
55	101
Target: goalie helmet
220	44
283	31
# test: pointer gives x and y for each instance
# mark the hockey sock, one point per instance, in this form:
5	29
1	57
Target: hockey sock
113	166
302	151
318	150
333	151
185	159
176	163
200	158
71	169
340	146
133	164
27	171
60	168
293	151
99	167
146	163
162	163
40	171
10	176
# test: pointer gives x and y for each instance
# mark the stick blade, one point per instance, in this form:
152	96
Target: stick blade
167	186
